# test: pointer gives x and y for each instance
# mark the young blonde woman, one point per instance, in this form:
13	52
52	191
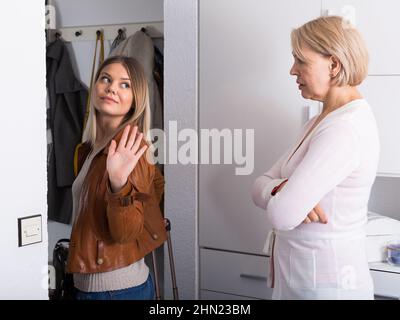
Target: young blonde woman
316	195
116	195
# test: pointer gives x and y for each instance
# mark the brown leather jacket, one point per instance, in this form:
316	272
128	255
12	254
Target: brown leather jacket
113	230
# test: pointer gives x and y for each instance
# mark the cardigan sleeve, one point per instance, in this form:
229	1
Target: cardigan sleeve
263	186
333	153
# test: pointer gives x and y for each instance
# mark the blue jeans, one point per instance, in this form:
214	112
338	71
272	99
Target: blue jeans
144	291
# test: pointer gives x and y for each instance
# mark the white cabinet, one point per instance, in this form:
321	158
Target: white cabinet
383	94
386	280
234	273
379	23
244	83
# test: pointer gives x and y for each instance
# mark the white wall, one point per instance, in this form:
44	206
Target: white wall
72	13
23	270
102	12
180	96
385	197
96	12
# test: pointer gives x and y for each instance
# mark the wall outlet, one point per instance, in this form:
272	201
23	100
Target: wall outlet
29	230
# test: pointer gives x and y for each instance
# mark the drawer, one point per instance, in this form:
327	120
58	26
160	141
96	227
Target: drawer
386	284
212	295
234	273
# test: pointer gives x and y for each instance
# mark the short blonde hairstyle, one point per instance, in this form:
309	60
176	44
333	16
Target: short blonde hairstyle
335	36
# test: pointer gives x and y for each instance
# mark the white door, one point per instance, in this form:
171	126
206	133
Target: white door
244	62
23	191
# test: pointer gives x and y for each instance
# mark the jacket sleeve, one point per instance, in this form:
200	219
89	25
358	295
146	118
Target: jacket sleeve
125	208
159	183
333	153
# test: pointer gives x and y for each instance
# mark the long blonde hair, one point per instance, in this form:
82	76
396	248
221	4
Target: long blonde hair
139	114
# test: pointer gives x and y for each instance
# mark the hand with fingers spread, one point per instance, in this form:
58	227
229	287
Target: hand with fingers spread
122	159
317	214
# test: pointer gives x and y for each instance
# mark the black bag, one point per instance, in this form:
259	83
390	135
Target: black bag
65	289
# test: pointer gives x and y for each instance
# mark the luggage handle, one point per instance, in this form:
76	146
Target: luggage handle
171	262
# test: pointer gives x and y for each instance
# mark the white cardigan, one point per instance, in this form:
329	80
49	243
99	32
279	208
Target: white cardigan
335	167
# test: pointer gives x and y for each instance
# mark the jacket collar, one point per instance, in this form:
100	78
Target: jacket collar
117	138
117	135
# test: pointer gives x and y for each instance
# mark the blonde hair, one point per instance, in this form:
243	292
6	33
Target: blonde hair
139	114
335	36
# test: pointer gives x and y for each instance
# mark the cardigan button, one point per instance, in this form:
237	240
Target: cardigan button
100	261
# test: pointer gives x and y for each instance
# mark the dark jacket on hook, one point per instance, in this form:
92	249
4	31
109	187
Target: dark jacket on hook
67	98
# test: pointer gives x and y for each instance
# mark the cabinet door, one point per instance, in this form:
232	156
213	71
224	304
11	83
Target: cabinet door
244	83
386	284
212	295
234	273
379	24
383	94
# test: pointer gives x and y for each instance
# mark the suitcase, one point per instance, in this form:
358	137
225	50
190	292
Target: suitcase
64	288
64	283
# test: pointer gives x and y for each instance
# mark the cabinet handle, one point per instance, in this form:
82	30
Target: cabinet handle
384	296
253	276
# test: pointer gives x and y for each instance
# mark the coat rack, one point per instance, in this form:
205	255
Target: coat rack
88	33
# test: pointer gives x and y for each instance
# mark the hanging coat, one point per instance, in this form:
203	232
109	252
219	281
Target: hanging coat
140	46
67	98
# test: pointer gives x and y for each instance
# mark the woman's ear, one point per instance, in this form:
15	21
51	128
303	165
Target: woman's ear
334	66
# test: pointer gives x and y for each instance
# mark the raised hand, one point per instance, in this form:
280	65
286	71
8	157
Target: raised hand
122	159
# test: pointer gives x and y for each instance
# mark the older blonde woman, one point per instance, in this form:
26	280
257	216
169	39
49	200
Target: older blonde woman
316	195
